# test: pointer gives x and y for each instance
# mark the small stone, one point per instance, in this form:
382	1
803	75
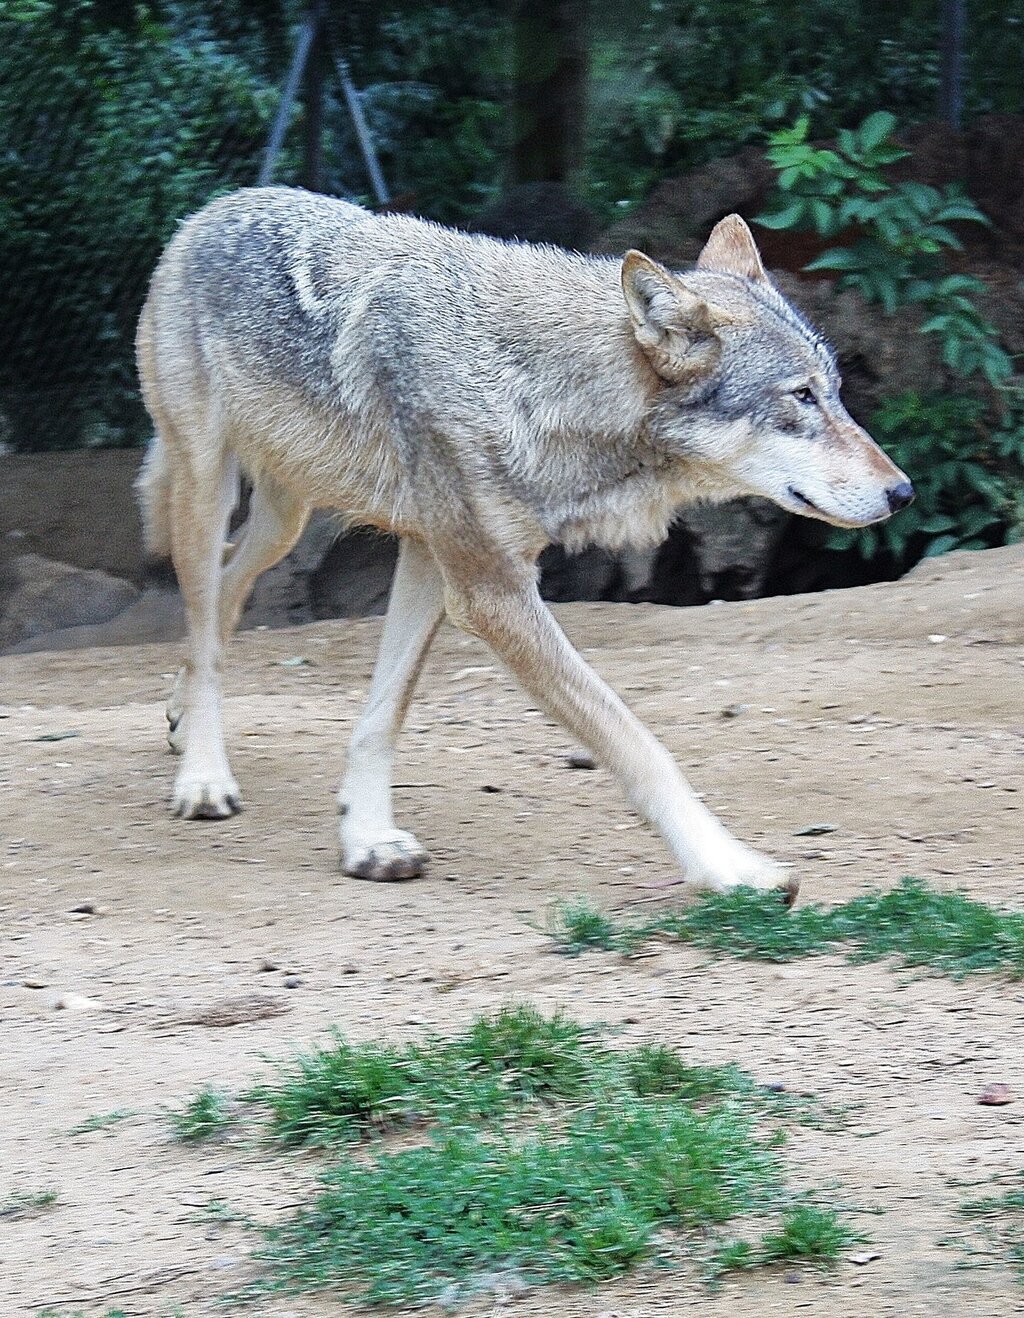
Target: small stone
350	968
580	760
84	908
816	830
488	788
996	1095
776	1087
34	982
734	711
793	1278
292	981
76	1002
267	964
868	1256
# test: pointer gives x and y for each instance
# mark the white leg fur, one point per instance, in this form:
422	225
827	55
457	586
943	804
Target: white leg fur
201	506
371	846
523	633
271	530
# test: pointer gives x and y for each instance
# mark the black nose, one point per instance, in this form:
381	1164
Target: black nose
899	496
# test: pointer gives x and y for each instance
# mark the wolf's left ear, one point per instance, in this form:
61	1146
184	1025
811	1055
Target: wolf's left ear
731	250
676	327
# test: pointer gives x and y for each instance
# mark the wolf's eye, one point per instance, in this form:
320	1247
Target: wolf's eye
805	395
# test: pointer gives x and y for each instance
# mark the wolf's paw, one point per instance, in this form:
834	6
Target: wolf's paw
205	796
743	868
389	857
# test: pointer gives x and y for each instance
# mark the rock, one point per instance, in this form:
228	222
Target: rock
996	1095
39	595
580	760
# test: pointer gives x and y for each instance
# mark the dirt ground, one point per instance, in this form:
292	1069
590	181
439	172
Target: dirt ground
142	957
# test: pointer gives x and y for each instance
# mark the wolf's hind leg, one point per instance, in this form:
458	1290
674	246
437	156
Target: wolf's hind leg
274	524
501	605
202	497
371	846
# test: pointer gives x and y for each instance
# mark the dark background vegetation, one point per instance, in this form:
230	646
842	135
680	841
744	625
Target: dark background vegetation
541	120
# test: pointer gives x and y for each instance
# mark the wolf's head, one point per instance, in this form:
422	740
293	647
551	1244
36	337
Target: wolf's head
751	391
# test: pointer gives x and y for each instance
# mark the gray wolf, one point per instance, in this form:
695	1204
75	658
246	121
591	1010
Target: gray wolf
482	399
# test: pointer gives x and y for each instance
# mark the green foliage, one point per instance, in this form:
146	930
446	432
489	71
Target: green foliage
967	470
25	1203
529	1151
347	1090
102	1121
204	1117
580	1205
949	932
901	231
110	136
577	925
808	1234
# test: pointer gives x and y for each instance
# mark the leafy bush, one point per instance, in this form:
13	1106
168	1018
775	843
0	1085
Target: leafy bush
901	232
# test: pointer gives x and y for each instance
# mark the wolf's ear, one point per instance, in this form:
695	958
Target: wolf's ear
675	327
731	250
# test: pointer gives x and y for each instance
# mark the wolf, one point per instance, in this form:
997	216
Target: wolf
481	399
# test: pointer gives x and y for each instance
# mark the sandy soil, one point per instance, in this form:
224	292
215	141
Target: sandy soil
895	713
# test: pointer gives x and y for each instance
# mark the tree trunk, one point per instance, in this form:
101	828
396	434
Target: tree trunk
550	90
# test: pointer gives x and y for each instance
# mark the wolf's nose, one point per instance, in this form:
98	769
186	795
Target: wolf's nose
899	496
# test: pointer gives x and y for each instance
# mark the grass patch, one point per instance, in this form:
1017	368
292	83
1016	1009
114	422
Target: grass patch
1001	1220
204	1117
584	1204
523	1148
948	932
27	1203
807	1235
102	1121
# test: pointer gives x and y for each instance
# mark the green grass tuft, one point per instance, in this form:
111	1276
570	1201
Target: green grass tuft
810	1235
205	1116
347	1090
577	926
102	1121
946	931
580	1205
26	1203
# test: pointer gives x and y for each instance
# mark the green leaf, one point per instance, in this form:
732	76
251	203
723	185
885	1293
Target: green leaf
836	258
787	218
875	129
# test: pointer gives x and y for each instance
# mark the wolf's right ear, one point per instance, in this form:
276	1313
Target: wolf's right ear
676	328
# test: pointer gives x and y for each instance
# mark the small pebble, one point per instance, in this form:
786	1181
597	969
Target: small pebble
84	908
267	965
734	711
580	760
996	1095
292	981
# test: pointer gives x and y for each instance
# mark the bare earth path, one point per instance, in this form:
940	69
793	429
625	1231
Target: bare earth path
894	713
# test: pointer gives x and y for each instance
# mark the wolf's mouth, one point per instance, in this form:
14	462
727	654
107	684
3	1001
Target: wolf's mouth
794	493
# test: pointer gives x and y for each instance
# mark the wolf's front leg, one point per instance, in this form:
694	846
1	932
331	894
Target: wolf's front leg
371	846
513	620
